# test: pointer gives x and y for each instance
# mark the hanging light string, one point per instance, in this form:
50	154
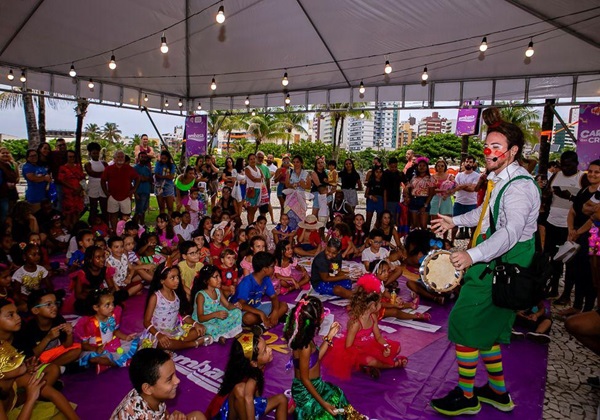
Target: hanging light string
560	27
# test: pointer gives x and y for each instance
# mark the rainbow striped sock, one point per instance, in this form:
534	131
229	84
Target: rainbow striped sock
493	363
467	367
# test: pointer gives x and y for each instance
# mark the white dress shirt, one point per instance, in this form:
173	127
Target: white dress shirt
517	214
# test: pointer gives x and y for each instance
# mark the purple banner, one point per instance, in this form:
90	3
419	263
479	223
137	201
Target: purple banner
467	123
195	134
588	135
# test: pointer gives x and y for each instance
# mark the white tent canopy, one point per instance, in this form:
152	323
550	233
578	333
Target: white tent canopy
327	47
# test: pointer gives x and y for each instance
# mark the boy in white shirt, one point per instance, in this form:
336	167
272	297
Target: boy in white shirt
376	252
184	229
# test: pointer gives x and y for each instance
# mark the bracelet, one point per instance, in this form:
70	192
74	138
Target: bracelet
328	340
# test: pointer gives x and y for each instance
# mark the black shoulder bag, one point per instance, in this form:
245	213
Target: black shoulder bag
515	287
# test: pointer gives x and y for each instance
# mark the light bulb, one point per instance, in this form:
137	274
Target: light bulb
253	113
424	76
221	15
247	101
362	115
112	64
287	99
361	89
145	98
91	84
285	80
164	48
180	103
388	68
72	72
199	106
530	51
213	84
11	75
483	46
166	103
23	79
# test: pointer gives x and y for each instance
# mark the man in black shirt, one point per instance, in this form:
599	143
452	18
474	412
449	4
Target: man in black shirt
392	181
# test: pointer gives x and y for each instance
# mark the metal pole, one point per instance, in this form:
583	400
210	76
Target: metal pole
144	109
547	123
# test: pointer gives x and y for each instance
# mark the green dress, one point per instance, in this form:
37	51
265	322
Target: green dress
307	408
475	321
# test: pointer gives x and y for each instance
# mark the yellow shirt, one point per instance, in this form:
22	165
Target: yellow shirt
189	273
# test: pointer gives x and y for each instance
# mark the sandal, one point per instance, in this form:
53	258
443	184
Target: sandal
207	340
400	361
373	372
415	303
423	317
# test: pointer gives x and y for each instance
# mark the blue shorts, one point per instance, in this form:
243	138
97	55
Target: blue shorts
375	206
280	188
459	209
326	287
164	190
417	203
142	203
260	406
315	200
265	307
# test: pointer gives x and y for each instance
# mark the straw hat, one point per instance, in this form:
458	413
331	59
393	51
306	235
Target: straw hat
310	222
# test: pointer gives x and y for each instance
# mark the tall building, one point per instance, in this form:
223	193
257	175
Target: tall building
323	128
435	124
360	134
561	138
406	134
386	126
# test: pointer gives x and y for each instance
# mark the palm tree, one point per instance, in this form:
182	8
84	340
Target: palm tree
92	132
526	118
214	123
80	112
262	127
289	121
23	98
339	112
234	122
111	132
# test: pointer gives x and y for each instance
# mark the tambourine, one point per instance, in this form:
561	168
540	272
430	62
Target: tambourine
438	273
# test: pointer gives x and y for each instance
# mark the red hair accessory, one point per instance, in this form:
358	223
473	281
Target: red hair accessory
496	124
370	283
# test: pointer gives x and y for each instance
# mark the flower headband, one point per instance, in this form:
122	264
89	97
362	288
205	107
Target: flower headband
370	283
246	340
422	159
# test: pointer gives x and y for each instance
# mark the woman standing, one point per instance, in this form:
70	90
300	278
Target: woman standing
211	173
254	181
239	187
70	176
227	176
421	189
37	178
318	177
296	202
44	155
164	187
351	183
94	168
579	270
9	178
441	203
374	194
281	176
183	184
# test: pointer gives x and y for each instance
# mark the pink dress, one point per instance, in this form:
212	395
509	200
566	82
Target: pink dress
290	271
341	361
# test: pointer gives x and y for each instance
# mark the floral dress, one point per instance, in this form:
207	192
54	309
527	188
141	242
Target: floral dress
215	327
167	320
71	175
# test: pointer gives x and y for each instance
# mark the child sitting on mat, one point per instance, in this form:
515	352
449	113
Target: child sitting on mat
327	276
288	274
363	347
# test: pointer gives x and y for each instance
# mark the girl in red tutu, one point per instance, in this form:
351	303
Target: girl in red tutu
363	347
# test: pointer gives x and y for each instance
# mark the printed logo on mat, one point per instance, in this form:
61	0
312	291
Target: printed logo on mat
200	373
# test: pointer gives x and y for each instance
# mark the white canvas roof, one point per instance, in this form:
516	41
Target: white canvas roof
326	46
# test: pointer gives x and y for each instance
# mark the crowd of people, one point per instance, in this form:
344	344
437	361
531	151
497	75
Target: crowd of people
215	271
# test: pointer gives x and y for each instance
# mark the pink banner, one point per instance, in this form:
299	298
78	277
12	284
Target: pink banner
588	135
195	134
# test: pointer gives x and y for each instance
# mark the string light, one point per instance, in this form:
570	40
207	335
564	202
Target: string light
72	72
361	89
166	103
180	103
23	79
145	98
112	64
253	113
362	115
11	75
91	84
288	99
213	84
221	14
388	68
164	48
424	76
285	80
247	101
530	51
483	46
199	106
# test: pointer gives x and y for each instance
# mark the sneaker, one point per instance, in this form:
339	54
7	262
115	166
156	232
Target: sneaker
487	395
517	335
538	338
455	403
